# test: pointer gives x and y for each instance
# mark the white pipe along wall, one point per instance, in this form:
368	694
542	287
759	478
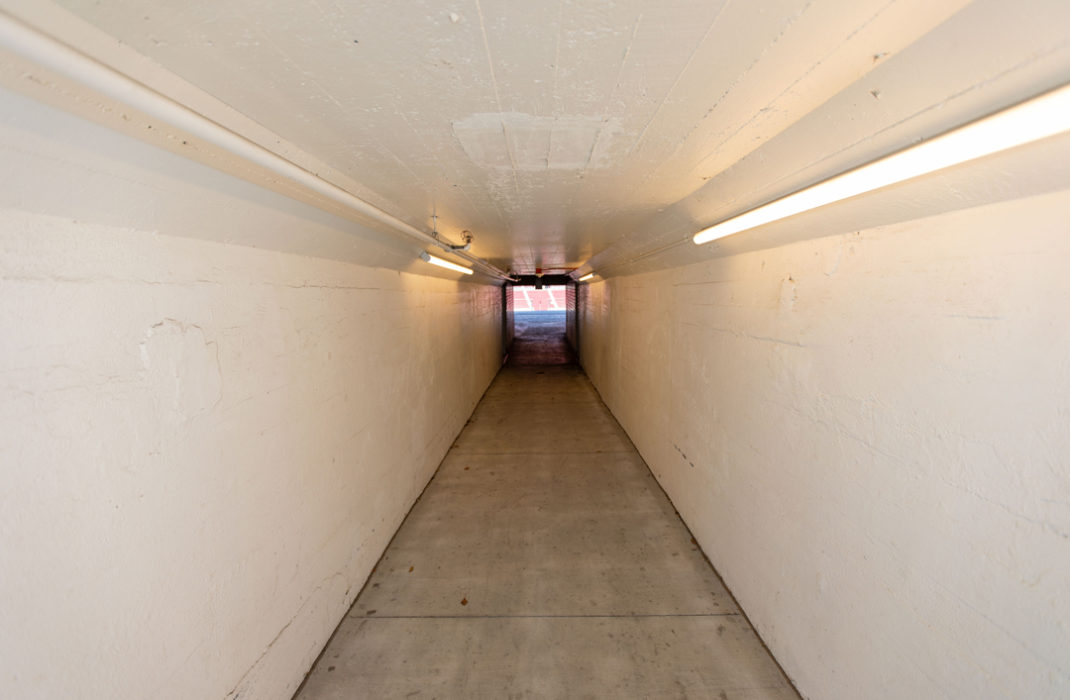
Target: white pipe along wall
206	446
868	435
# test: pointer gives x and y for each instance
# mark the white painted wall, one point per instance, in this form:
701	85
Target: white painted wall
205	447
869	436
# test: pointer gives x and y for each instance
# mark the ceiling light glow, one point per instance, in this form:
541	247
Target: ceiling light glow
586	277
435	260
1036	119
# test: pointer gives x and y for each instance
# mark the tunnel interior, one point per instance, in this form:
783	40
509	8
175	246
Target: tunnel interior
259	277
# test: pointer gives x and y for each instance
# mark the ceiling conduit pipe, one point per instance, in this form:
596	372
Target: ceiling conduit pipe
59	58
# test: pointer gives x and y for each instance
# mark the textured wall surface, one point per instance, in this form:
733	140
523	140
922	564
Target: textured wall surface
868	435
205	447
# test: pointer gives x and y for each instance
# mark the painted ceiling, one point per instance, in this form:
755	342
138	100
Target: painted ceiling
593	133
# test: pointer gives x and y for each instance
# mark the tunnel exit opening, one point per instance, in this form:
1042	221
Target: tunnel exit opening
539	320
531	299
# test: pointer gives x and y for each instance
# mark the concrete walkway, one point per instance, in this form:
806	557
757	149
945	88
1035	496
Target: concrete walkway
543	561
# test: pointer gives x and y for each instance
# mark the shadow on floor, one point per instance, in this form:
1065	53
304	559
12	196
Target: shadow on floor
540	340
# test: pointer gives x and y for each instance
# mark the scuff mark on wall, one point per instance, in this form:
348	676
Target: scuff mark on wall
832	260
182	366
788	294
682	454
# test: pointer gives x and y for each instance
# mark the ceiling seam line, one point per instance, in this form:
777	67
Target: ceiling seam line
783	92
679	76
497	94
739	78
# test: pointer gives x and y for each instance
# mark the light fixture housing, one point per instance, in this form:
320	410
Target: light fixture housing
1033	120
586	277
435	260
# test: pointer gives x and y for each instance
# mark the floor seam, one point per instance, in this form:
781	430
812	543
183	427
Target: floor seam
557	452
540	617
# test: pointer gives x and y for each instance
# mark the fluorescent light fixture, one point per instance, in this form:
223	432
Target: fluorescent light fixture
1036	119
434	260
586	277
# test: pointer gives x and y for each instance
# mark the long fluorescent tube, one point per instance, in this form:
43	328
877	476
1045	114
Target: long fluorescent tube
1030	121
46	52
586	277
434	260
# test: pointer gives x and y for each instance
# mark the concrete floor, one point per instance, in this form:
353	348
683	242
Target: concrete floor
543	561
